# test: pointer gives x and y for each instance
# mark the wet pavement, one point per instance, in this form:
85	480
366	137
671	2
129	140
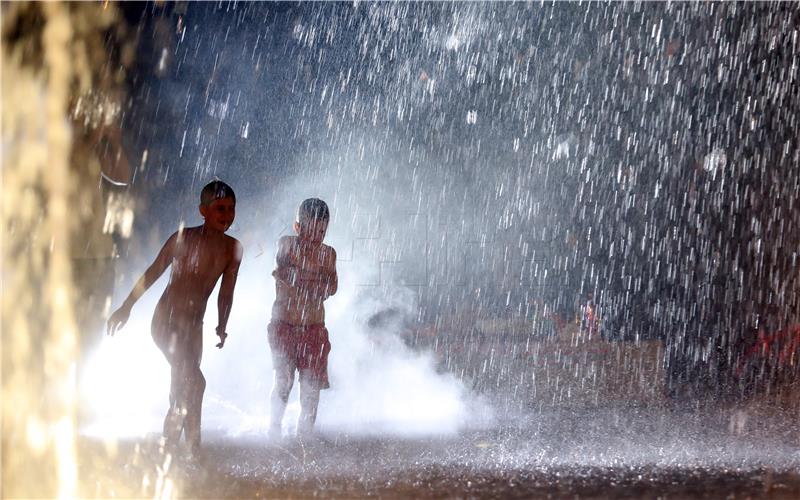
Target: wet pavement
589	453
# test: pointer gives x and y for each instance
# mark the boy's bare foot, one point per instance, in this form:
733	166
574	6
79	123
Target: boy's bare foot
167	447
310	438
196	452
274	434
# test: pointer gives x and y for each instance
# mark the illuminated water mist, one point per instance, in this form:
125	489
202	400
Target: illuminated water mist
566	236
378	388
379	385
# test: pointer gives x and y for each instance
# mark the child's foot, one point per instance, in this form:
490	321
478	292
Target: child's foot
167	451
310	438
274	434
196	452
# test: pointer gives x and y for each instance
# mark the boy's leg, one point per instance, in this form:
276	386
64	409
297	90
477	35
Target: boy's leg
173	421
195	387
284	379
187	385
167	341
313	376
165	335
309	401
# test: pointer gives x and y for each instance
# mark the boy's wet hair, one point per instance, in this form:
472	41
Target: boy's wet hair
216	190
313	209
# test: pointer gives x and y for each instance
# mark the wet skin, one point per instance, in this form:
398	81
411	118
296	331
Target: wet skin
305	275
199	256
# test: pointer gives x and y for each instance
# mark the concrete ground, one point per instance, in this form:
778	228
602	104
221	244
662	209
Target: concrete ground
586	453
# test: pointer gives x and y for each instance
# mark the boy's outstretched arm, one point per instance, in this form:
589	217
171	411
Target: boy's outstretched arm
225	299
119	317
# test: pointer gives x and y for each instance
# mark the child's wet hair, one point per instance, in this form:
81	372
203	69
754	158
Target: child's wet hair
216	190
313	209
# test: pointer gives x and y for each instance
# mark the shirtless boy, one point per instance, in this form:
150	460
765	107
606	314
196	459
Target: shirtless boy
304	277
199	256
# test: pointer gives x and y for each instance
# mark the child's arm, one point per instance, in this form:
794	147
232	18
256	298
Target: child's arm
119	317
326	282
323	283
332	285
225	299
295	277
285	271
286	275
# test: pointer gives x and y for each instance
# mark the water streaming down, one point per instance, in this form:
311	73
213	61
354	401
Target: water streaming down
567	240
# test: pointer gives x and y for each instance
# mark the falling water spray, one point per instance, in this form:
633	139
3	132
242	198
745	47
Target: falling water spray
42	69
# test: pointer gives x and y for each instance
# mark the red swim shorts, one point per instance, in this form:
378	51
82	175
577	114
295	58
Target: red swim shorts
304	347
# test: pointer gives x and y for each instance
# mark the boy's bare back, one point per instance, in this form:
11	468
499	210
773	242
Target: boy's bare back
305	276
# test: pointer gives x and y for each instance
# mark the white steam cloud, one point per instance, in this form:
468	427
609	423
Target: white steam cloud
380	386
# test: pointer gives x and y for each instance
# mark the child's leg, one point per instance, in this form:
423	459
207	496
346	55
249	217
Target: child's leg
309	401
187	385
173	421
195	387
166	337
166	340
284	379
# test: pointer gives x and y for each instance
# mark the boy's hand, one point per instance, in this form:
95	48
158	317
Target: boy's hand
117	320
286	274
311	277
222	336
317	284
